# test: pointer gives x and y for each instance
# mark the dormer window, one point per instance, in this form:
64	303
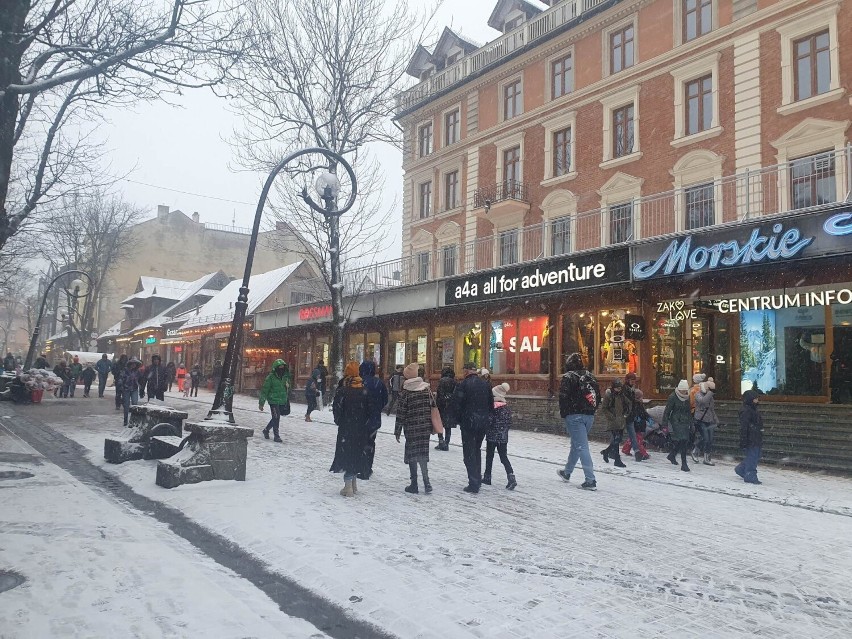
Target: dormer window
452	59
514	23
425	75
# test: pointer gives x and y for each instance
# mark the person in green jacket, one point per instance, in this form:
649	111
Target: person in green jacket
678	417
276	391
76	372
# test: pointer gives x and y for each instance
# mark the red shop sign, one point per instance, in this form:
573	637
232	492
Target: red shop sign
311	313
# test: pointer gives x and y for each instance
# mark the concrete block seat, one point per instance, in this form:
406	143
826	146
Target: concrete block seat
146	421
214	450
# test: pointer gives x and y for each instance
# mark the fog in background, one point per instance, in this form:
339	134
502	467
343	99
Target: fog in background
172	155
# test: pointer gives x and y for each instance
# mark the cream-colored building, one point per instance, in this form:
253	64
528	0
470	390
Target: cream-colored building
177	246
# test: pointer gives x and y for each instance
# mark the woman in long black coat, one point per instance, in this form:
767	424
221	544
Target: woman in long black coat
351	410
414	417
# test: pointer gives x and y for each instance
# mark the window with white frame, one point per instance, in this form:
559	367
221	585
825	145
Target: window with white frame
452	127
511	170
512	99
813	180
810	59
562	75
423	271
621	48
560	147
562	151
700	205
620	222
696	100
621	127
425	199
697	18
424	140
508	247
451	190
699	104
560	236
449	257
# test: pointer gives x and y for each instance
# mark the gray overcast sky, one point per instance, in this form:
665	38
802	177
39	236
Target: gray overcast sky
182	148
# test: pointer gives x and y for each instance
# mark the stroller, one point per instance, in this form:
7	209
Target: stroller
656	434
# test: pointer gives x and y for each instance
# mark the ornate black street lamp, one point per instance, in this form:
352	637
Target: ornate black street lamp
73	291
328	186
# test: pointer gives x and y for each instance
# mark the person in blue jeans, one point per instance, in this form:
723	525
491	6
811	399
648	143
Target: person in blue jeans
751	437
130	386
579	397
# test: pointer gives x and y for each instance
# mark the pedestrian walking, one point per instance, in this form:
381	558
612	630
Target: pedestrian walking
129	384
103	368
195	380
157	379
320	374
311	393
615	408
9	362
378	398
637	422
414	418
474	405
678	418
75	370
276	391
171	371
180	374
88	376
705	417
396	381
62	371
695	435
143	380
41	361
497	437
117	370
444	400
351	410
579	398
751	437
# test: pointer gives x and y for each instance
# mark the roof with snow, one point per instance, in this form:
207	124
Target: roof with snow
423	59
112	331
158	287
505	7
221	307
198	288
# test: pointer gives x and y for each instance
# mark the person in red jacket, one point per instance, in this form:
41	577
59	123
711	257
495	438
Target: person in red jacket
181	376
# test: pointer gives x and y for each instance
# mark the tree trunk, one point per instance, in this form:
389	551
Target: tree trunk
338	319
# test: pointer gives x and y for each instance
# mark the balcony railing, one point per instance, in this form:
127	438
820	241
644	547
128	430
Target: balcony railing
507	190
494	52
774	190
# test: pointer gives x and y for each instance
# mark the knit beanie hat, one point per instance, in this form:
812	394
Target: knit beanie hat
500	392
698	378
708	385
483	372
411	371
682	390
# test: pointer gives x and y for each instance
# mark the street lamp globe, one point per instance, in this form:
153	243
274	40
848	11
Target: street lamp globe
78	287
327	181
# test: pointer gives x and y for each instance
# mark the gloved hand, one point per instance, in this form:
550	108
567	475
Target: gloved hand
397	438
260	405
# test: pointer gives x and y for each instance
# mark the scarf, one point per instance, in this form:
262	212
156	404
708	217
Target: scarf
415	384
682	396
354	382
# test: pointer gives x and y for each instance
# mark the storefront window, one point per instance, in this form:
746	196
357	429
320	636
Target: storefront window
618	354
356	348
322	347
783	351
668	353
578	336
471	338
373	348
305	361
396	345
502	349
443	348
417	348
533	345
841	355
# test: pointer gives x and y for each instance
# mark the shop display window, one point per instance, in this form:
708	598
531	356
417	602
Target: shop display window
533	345
668	359
840	378
784	351
578	336
443	348
356	348
618	355
502	347
396	345
321	350
417	347
373	348
304	358
470	336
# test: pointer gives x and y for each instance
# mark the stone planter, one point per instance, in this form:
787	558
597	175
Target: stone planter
214	450
145	422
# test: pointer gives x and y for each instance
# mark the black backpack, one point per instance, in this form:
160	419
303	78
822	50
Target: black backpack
589	391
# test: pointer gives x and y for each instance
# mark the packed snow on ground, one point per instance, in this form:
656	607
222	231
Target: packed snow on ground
654	552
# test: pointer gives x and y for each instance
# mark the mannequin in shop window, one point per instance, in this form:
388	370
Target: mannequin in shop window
473	346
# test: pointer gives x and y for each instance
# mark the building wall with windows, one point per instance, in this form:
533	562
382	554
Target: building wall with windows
638	97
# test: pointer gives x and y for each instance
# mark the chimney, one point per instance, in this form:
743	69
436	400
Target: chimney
196	217
162	211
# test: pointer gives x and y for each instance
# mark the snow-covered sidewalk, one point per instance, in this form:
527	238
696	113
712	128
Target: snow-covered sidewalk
654	552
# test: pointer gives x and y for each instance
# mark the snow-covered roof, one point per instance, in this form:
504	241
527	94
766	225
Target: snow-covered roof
505	7
112	331
159	287
195	288
221	307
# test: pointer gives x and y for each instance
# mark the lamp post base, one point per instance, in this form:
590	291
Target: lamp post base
220	415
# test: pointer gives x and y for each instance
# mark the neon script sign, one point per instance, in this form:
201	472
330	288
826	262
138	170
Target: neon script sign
838	225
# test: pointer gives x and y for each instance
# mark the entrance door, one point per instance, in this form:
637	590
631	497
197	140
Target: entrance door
711	351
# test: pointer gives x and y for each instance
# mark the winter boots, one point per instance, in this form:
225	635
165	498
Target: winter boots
486	479
412	487
347	490
707	460
605	453
354	486
512	483
616	456
672	457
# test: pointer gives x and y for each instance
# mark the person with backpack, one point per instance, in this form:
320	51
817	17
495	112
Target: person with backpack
678	418
705	417
88	376
276	391
75	371
103	367
378	398
751	437
444	401
579	397
396	382
351	409
474	404
615	408
497	437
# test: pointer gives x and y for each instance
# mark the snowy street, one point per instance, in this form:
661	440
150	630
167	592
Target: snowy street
653	553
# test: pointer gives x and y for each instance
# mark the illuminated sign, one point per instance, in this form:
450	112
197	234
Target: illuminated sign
800	237
313	313
172	332
178	349
151	340
842	296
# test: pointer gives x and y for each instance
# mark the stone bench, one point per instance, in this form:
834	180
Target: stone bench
163	446
214	450
146	421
